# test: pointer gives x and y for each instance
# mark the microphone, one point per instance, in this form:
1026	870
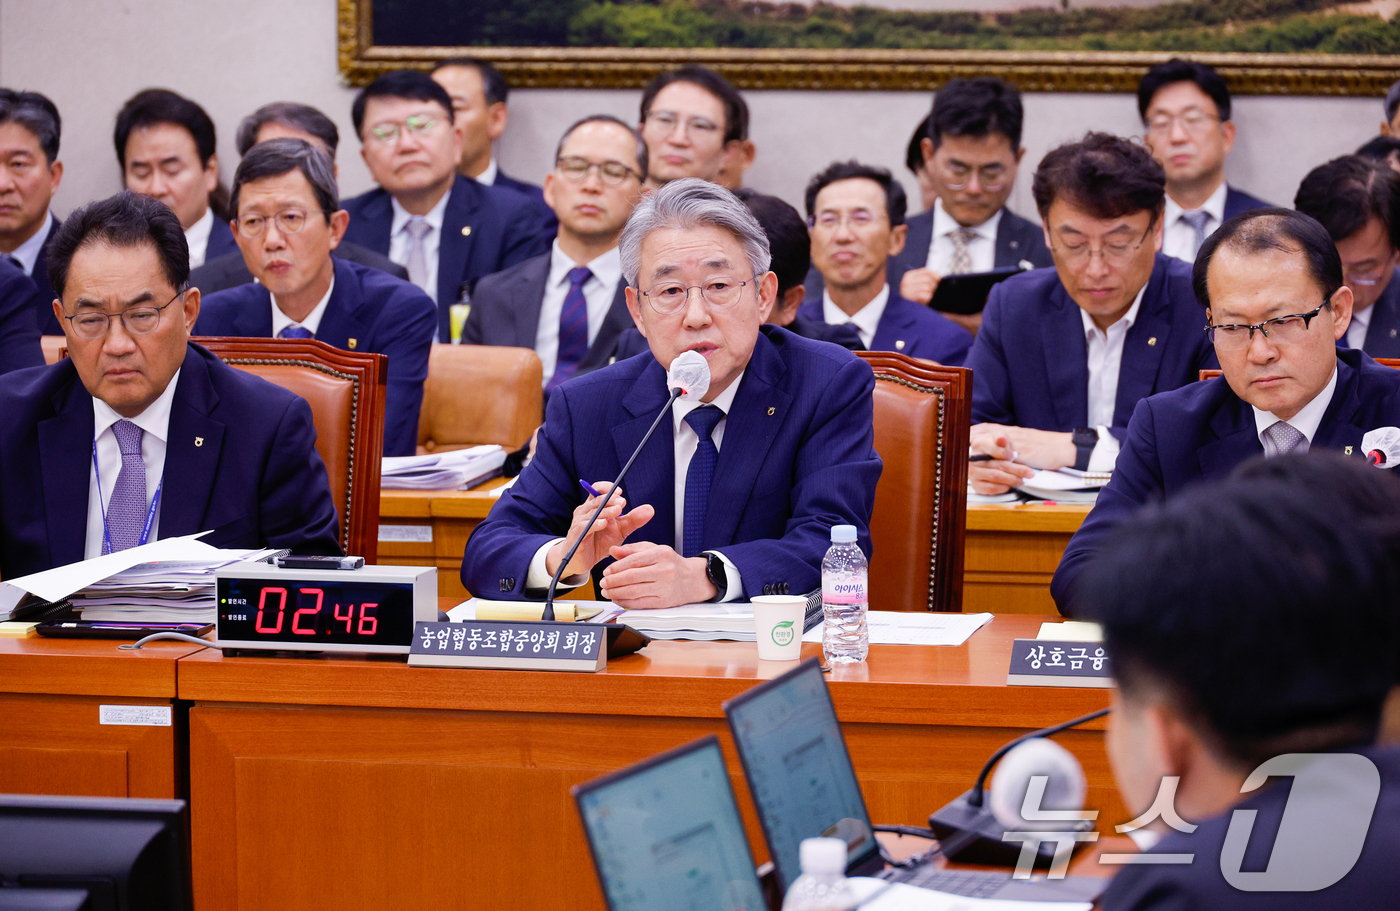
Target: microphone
972	830
688	380
1382	446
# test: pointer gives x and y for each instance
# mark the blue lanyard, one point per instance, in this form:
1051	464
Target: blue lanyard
150	513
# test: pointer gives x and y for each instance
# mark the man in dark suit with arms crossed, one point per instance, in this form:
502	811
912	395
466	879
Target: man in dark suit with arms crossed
138	434
780	449
1271	283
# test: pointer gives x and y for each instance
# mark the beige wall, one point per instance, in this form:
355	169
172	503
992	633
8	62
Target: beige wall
90	55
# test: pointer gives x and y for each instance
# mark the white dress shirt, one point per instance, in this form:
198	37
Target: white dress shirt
981	247
1179	239
684	443
598	294
155	421
488	176
312	322
28	252
1360	324
1105	364
1306	421
432	241
197	236
866	319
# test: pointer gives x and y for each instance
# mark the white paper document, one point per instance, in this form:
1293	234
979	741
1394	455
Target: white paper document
456	470
906	628
879	895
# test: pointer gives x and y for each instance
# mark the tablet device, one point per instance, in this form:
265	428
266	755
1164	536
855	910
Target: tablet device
967	294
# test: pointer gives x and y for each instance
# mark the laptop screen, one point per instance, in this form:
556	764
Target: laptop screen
799	773
666	835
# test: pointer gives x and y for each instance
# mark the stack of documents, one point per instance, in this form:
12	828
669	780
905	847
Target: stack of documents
455	470
1067	485
167	580
733	620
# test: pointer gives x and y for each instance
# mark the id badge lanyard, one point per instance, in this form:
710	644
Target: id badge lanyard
150	513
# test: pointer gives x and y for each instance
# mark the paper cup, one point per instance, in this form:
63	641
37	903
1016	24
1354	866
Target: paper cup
777	621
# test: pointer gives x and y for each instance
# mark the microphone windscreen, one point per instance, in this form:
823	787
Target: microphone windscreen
1387	441
690	373
1064	791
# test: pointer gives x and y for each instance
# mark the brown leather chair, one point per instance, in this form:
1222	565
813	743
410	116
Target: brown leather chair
480	394
346	392
923	414
55	348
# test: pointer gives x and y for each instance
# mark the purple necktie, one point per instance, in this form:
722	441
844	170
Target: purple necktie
698	478
126	511
295	332
573	328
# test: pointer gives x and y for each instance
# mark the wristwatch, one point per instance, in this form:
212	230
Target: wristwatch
1085	439
715	572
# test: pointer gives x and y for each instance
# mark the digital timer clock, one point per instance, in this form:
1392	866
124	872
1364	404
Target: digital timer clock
371	609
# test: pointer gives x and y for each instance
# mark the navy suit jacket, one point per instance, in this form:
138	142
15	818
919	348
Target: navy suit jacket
44	319
382	314
1030	363
798	457
1373	882
19	336
631	342
221	241
484	230
1201	432
241	460
910	328
230	270
1383	332
1237	201
506	311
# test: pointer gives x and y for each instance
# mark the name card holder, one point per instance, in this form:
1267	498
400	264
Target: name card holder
1047	662
538	645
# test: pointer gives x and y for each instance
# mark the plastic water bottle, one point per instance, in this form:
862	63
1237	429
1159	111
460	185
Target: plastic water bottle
845	598
822	885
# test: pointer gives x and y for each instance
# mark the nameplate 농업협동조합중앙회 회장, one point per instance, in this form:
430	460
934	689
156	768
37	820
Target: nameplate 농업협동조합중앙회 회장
538	645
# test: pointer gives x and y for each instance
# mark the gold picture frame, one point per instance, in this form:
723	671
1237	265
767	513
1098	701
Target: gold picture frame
361	60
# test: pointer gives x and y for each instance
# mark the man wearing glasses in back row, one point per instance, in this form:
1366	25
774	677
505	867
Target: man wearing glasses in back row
1271	282
1064	356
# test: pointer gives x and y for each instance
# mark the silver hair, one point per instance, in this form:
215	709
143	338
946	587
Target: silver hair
691	203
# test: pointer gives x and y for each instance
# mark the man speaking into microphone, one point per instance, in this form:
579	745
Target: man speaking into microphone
735	494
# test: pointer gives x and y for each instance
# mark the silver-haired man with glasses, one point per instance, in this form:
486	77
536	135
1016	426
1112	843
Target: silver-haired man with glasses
1065	355
736	495
1271	282
288	221
568	304
139	434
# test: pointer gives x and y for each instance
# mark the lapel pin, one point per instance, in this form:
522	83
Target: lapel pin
771	410
352	343
1392	333
1346	451
466	230
899	345
198	442
1152	342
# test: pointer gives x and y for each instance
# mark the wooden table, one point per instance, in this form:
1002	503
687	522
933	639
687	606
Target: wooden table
360	783
1012	551
52	740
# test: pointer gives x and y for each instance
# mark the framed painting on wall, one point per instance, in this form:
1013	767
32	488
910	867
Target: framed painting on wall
1262	47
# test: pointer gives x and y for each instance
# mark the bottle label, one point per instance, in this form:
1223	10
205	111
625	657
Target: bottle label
847	591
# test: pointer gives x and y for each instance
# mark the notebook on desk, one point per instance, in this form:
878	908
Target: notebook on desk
666	834
804	785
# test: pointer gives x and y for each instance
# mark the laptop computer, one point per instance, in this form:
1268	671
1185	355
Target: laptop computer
804	785
665	834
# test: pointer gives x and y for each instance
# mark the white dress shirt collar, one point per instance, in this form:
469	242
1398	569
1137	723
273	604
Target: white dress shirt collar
606	268
197	236
312	323
1306	421
1360	325
1126	321
724	401
488	176
155	420
28	252
866	319
1179	238
944	224
402	215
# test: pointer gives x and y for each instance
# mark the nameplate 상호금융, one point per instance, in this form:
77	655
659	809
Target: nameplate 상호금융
534	645
1042	662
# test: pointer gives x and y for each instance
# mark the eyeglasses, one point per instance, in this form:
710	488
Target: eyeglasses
137	321
720	293
830	221
1192	120
956	176
417	124
577	169
1362	278
1115	254
1281	330
667	121
289	221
